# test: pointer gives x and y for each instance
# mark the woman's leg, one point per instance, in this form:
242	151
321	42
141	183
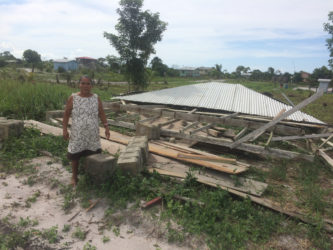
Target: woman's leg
75	168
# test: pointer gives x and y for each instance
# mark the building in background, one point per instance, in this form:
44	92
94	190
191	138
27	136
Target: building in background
68	65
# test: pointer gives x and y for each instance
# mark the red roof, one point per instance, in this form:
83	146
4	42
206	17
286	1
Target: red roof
86	57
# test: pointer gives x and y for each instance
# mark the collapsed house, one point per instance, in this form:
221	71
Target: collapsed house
229	116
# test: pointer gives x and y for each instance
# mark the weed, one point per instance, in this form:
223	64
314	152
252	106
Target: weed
87	246
78	233
116	231
279	171
66	228
51	234
32	199
105	239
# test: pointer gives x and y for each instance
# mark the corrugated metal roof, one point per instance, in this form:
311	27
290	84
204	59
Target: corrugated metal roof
222	97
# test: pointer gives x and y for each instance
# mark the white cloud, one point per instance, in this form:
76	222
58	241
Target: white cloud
198	32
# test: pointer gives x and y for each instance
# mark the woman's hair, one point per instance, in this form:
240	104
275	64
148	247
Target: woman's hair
87	77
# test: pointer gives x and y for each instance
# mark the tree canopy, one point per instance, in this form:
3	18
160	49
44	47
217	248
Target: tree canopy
32	57
329	41
138	32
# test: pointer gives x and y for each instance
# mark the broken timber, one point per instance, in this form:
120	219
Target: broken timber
254	133
288	138
240	121
255	149
328	159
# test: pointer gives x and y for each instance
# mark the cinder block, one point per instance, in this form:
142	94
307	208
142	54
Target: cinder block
100	167
149	130
53	114
131	165
10	128
143	148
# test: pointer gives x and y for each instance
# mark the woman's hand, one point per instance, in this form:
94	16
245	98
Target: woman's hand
107	133
65	134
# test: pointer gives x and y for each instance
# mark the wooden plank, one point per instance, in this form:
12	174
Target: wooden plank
192	111
202	128
260	133
240	134
214	132
255	149
189	126
207	158
288	100
122	124
281	117
167	122
289	138
327	159
324	142
328	142
150	119
243	184
269	139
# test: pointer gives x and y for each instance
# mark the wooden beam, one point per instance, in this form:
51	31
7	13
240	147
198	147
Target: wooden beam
189	126
121	124
192	111
328	142
269	139
289	138
327	159
168	122
240	134
255	149
324	142
275	121
202	128
150	119
214	132
288	100
207	158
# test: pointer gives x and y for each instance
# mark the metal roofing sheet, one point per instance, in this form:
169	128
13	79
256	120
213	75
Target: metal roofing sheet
219	96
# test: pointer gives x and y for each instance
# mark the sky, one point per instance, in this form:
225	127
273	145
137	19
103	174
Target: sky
287	35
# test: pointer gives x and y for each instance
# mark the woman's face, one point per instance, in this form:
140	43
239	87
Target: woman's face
85	86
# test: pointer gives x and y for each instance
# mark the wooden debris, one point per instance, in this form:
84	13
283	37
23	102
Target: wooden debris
214	132
151	202
327	159
240	134
189	126
92	205
269	139
288	100
288	138
167	122
328	142
260	130
202	128
207	158
121	124
324	142
215	180
151	119
72	218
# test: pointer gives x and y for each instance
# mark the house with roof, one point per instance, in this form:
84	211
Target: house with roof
68	65
188	72
86	62
205	70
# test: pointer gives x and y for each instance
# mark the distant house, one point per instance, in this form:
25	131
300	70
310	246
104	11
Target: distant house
205	70
86	62
305	76
188	72
68	65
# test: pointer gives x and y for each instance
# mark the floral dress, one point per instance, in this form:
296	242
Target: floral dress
85	125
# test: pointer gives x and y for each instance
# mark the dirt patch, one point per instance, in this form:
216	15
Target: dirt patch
38	198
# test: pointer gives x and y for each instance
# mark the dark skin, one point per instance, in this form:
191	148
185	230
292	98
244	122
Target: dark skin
85	91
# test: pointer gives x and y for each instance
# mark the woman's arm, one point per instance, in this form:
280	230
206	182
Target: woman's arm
103	118
67	114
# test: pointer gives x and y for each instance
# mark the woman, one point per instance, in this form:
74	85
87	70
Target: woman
85	108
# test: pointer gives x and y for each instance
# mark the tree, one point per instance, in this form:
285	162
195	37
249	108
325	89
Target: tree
114	62
6	55
322	72
32	57
138	32
329	28
158	66
217	72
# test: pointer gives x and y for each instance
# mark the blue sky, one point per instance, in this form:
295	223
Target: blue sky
286	34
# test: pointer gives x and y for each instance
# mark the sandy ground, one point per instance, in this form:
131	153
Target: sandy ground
136	232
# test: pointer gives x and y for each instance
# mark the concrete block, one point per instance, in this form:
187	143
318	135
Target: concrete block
149	130
130	165
53	114
142	147
100	167
10	128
